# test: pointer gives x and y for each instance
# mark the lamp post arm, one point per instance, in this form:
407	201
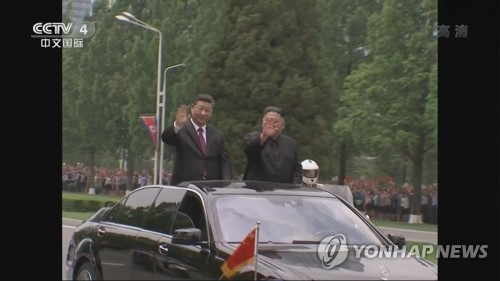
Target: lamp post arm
128	17
165	75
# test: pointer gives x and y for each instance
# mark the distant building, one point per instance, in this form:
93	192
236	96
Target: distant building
79	9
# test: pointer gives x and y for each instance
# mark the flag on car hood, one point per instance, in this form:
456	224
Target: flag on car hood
243	255
150	124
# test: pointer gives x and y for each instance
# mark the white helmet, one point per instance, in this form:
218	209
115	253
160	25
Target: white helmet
310	172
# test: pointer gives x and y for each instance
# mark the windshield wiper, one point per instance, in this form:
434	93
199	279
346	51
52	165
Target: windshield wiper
305	242
271	242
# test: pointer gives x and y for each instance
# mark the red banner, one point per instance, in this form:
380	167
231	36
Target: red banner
150	124
242	256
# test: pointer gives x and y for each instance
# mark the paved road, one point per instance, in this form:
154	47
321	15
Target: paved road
68	226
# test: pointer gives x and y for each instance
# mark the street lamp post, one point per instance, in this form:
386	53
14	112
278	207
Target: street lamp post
163	105
128	17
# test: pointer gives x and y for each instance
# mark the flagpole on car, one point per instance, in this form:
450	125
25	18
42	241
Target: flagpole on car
256	248
244	255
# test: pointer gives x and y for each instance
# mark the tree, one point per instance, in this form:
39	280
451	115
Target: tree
264	53
344	28
393	97
335	66
89	103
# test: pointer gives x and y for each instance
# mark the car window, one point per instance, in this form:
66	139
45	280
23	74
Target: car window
163	211
193	207
340	190
182	220
285	219
133	209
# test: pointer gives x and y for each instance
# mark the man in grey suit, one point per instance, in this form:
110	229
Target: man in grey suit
200	152
272	156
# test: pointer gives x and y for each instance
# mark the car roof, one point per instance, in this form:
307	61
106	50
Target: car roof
253	187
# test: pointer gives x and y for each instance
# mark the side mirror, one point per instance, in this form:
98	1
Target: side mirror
186	236
399	240
109	204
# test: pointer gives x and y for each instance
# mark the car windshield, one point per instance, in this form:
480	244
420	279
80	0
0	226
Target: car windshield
290	219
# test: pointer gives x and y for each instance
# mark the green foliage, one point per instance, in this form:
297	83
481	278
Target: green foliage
355	77
393	96
79	202
268	53
80	205
77	206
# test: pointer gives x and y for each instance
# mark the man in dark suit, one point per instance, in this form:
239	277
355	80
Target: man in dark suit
200	152
272	156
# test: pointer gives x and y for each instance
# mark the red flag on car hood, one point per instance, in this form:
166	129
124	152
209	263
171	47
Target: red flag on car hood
243	255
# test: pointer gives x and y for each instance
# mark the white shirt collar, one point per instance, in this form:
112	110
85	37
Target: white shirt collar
196	126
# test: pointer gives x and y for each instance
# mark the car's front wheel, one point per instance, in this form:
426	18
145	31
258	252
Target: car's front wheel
86	272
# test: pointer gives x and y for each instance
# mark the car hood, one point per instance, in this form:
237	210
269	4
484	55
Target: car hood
302	261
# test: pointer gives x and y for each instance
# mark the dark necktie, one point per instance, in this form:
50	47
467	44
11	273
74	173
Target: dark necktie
202	141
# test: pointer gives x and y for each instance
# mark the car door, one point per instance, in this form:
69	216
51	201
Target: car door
157	223
117	234
186	262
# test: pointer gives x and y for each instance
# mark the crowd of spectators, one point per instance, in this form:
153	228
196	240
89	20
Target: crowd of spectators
379	198
107	181
384	200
